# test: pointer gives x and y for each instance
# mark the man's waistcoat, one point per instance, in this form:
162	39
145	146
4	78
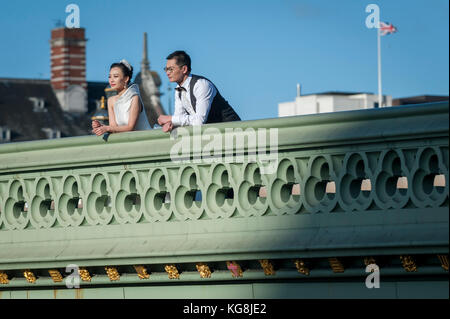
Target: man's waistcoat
220	110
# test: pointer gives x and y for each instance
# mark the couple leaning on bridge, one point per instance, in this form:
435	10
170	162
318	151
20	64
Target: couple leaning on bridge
197	100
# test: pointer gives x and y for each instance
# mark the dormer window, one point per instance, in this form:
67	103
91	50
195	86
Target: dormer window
38	104
5	134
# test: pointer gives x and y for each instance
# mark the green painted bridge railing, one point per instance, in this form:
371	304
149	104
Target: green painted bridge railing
313	197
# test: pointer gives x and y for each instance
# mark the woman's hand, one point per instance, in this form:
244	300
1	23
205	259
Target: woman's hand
95	124
102	129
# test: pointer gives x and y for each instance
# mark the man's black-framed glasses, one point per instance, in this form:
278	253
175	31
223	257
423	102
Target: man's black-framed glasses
171	69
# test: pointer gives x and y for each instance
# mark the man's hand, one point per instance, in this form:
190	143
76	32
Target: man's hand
167	127
163	119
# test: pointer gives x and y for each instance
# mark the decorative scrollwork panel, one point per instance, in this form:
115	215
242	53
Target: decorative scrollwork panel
391	180
319	185
157	199
355	182
220	194
426	191
42	205
68	203
15	209
98	204
250	201
282	195
127	199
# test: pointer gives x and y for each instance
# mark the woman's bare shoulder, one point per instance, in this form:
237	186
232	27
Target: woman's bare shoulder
112	99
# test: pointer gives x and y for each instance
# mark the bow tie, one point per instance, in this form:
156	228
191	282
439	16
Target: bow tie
180	88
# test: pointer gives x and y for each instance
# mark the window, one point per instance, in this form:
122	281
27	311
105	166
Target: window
5	134
38	104
52	133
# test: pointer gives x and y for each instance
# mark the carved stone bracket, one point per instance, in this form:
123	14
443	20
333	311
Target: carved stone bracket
408	263
4	278
29	276
236	270
267	267
112	273
142	272
336	265
172	271
301	267
56	275
204	270
84	274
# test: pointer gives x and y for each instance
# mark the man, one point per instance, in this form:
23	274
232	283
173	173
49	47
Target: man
197	100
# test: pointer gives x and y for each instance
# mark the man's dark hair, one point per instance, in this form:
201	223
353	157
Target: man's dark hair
182	58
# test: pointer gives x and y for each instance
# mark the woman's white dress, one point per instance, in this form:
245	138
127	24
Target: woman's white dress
122	109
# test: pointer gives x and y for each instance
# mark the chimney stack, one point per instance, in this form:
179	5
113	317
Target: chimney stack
68	68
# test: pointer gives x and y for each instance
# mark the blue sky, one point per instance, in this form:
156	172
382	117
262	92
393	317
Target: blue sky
254	51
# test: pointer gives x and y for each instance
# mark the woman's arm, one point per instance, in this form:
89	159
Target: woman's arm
132	119
111	114
102	129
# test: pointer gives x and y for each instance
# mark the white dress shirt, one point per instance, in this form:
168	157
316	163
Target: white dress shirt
204	92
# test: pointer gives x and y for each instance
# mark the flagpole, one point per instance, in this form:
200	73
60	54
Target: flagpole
380	96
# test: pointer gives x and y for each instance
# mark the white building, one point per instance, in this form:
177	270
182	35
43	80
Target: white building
330	102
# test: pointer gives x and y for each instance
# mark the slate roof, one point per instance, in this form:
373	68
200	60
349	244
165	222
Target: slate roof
26	121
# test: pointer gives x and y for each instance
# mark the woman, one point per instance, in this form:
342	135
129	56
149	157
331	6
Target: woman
125	110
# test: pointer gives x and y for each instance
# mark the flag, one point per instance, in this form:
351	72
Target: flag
387	28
